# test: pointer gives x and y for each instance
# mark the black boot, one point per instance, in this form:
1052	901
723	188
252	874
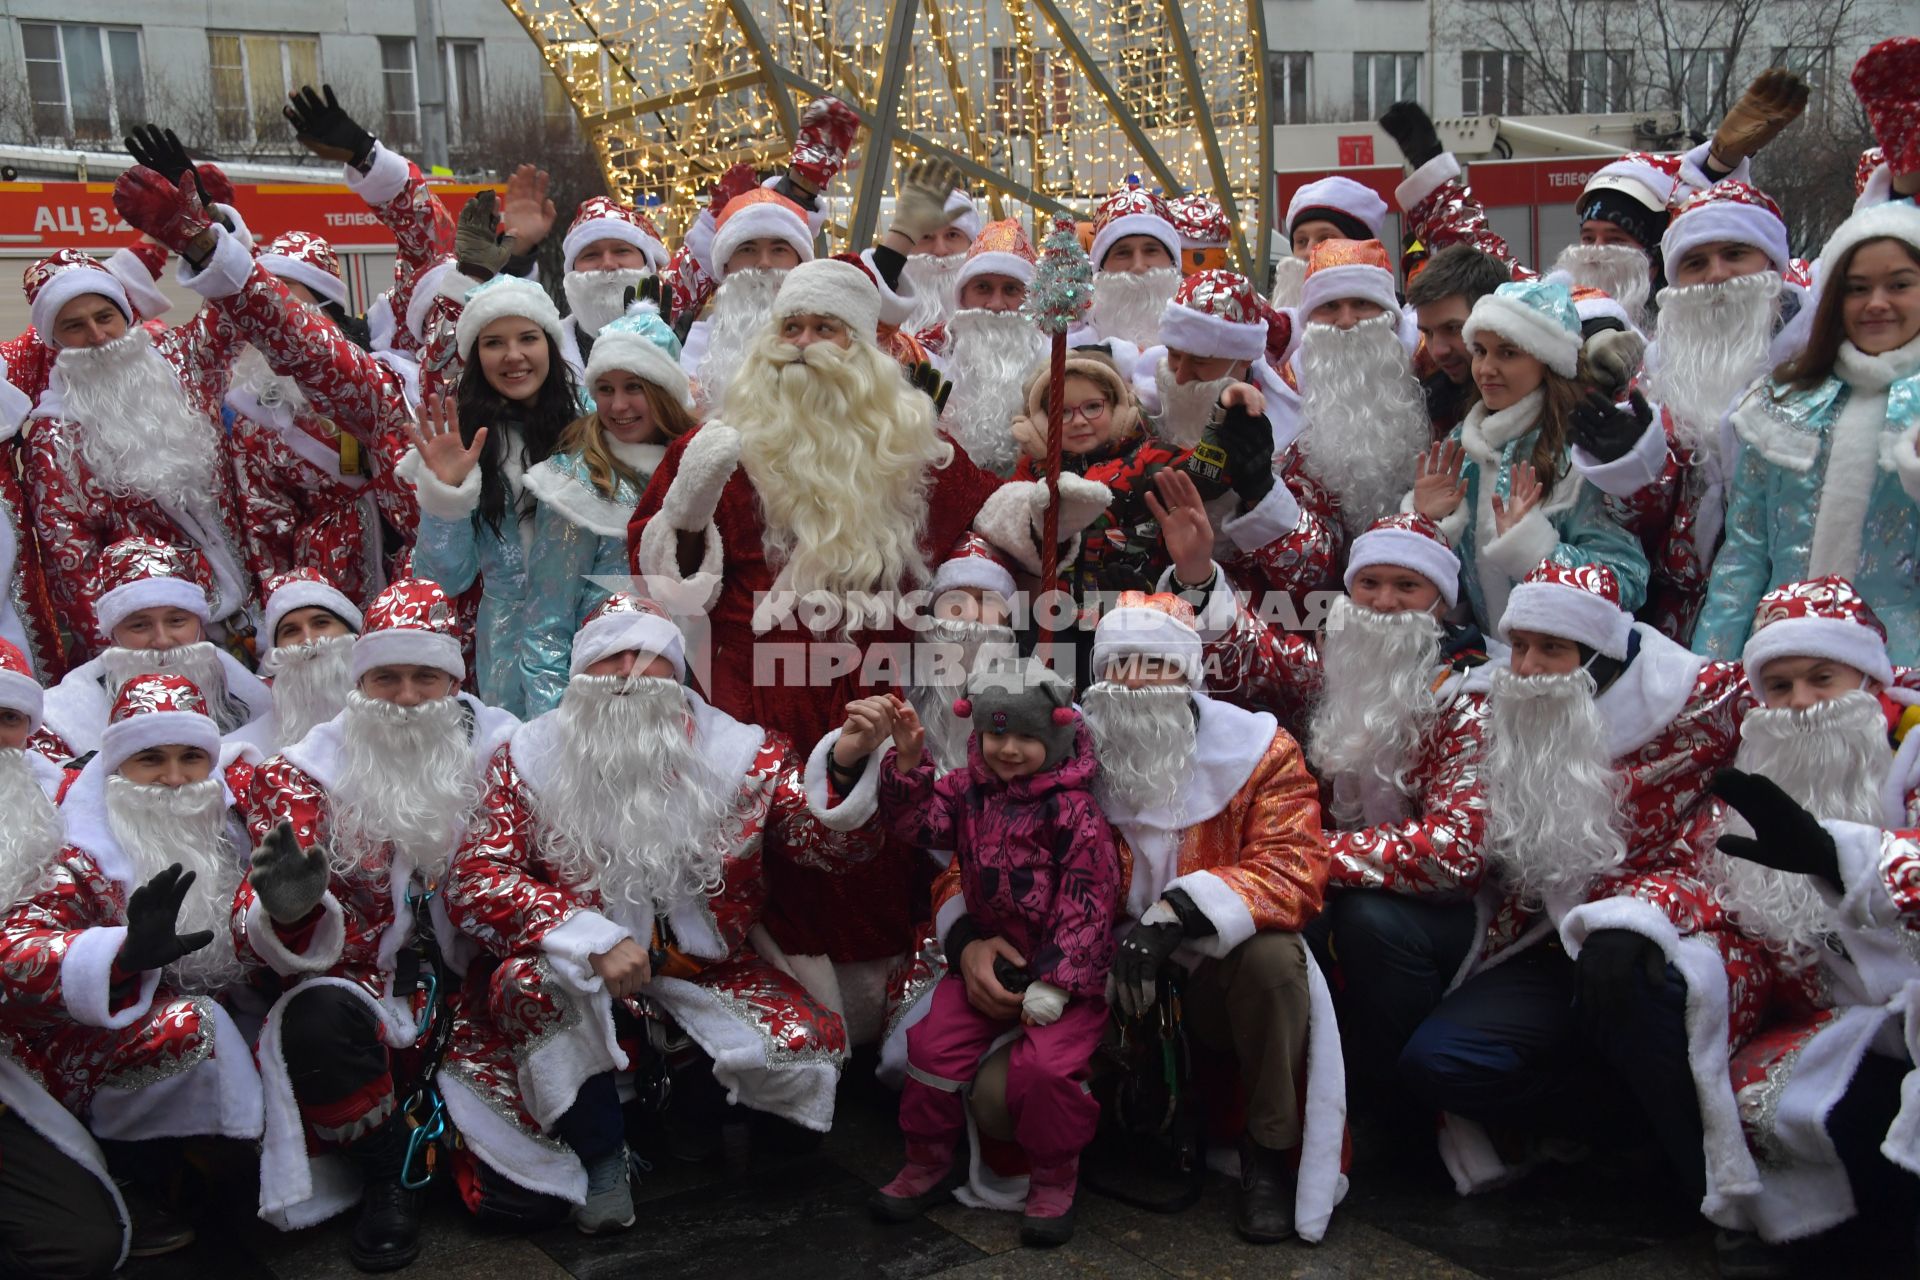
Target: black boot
387	1235
1264	1213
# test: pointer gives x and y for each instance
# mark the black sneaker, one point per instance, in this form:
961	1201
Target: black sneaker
155	1229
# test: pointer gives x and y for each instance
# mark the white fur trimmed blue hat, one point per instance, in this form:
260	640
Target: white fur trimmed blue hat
1538	316
640	343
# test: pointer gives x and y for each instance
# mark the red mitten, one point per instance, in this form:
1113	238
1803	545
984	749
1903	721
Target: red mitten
691	286
215	183
172	215
827	129
736	181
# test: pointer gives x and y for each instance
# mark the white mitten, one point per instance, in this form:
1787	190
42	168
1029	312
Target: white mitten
705	467
1043	1003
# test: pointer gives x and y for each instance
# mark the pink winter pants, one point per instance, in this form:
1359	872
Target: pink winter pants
1053	1115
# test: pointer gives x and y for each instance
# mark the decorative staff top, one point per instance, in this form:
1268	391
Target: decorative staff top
1062	285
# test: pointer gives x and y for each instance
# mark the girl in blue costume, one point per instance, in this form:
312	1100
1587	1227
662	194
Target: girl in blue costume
1827	480
588	488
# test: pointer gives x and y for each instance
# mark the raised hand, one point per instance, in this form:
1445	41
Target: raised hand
478	245
1606	430
927	378
435	432
526	215
151	913
170	212
909	736
1437	484
288	880
1523	496
921	206
869	723
1184	526
1786	836
1773	101
657	291
1411	129
159	150
323	127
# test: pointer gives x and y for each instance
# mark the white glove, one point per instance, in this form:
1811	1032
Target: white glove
1043	1003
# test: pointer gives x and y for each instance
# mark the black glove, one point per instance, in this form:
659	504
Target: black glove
1248	441
324	128
478	247
1136	969
655	290
1613	965
151	911
1411	128
162	151
1607	431
1010	975
928	379
1786	837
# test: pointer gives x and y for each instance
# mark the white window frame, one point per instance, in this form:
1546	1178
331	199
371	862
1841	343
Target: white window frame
387	113
1286	62
1509	61
115	125
456	131
1363	84
1617	94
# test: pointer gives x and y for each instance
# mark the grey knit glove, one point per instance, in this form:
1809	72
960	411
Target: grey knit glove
921	206
288	881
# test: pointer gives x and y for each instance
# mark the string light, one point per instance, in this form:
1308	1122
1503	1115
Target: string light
671	93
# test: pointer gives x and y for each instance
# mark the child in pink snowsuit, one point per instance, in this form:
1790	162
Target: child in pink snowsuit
1039	870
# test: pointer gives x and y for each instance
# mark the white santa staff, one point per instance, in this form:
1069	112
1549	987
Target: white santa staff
988	348
618	860
354	827
310	626
152	611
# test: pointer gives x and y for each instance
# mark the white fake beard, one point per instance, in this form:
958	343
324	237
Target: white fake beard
841	450
990	356
1376	701
935	280
406	779
741	311
1621	271
32	835
1289	282
1713	342
1832	758
198	662
310	683
139	432
1127	304
941	675
253	376
1364	414
158	826
1144	740
633	809
1185	410
595	298
1552	793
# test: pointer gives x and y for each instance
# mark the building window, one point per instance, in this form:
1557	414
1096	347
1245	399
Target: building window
1699	79
85	81
1492	83
1287	86
252	76
1010	112
466	88
402	91
1598	80
1815	65
1382	79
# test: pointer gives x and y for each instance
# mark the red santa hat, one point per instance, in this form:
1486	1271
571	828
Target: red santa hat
505	296
1132	211
1000	249
1408	540
963	213
62	276
1819	618
305	588
411	623
1728	210
144	573
1579	602
1200	220
1354	207
19	691
1887	81
974	564
830	287
601	218
1158	626
1348	269
759	214
628	623
157	711
1538	316
1215	315
305	259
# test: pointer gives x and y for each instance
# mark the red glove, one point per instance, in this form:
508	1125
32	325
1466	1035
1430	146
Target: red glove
736	181
827	129
215	183
172	215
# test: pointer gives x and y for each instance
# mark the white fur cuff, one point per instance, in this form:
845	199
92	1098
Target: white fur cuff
1519	550
86	980
1223	908
323	950
1634	470
1426	180
572	944
226	269
859	806
659	561
1277	515
440	500
385	178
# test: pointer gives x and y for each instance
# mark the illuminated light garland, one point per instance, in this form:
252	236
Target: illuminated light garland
670	92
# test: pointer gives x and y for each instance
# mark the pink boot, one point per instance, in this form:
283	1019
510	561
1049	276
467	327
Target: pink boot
1049	1217
925	1181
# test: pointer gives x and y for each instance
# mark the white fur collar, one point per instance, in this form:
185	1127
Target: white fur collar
318	754
1486	432
728	744
642	455
78	707
1876	373
85	816
1650	694
554	483
49	775
1229	742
